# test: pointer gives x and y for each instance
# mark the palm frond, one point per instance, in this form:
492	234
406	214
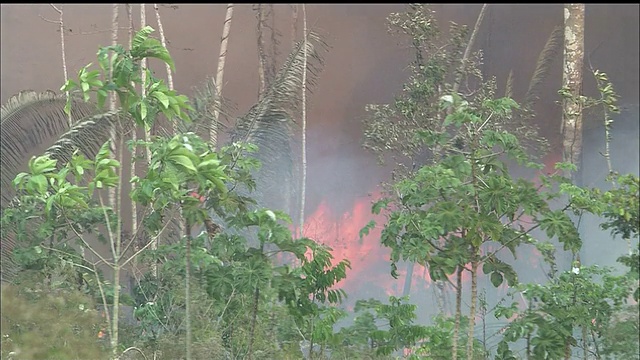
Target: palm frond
87	135
269	123
282	98
546	57
29	121
204	101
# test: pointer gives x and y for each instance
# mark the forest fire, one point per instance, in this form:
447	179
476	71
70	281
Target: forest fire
370	271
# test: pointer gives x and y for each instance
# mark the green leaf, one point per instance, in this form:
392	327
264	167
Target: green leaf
162	98
39	182
183	161
496	279
143	111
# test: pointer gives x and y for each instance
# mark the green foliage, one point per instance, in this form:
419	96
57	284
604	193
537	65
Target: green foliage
585	298
120	73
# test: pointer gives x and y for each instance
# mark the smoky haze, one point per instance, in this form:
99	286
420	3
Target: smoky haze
364	65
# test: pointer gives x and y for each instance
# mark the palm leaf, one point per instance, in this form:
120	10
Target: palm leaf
30	121
269	123
546	57
204	101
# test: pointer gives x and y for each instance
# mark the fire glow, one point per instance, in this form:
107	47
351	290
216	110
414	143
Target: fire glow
370	264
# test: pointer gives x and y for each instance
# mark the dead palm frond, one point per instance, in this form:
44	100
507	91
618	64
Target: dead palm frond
546	57
269	123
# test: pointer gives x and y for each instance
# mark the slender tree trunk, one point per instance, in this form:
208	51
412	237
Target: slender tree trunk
572	81
406	290
303	191
254	315
474	299
261	55
294	24
112	100
187	290
134	210
456	327
273	49
213	130
62	49
147	132
116	260
163	40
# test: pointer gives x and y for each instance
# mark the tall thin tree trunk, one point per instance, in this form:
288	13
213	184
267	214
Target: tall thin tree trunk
572	81
406	290
112	100
474	300
254	315
273	49
187	290
147	132
294	24
456	327
213	130
303	191
134	210
117	255
262	86
63	52
163	40
261	55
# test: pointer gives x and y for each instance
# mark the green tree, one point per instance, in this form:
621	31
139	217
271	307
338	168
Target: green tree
445	215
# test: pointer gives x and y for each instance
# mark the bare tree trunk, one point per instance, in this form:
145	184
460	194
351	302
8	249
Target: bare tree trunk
112	100
294	24
456	327
262	86
406	290
187	290
147	132
261	55
572	82
273	49
304	121
117	255
62	48
213	130
163	40
474	299
134	210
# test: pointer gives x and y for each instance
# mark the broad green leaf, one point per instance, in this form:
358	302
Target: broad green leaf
183	161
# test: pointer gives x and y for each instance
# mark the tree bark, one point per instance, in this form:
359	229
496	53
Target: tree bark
213	130
572	81
304	121
112	101
261	55
62	48
472	310
163	40
456	327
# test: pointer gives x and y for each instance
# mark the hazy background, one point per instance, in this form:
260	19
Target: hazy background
364	65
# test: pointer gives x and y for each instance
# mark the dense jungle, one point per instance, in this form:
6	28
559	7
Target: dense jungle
307	181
